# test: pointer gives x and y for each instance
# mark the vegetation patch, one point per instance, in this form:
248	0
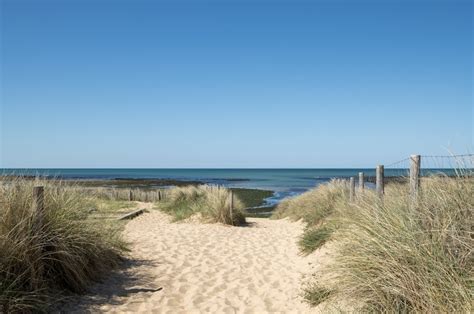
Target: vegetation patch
213	203
313	206
316	295
313	238
55	251
392	256
113	206
409	259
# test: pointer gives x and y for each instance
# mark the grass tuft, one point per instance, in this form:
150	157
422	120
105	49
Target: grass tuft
212	202
60	252
409	259
313	206
390	256
313	238
316	295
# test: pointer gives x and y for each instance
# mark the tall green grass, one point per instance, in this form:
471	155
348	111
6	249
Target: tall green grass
391	257
211	202
61	252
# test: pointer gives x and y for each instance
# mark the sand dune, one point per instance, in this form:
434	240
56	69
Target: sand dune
192	267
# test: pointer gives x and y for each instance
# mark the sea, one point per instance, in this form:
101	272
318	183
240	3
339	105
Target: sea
283	182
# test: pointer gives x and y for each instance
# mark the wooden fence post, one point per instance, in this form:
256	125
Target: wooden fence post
379	181
38	204
231	207
130	196
415	163
159	195
352	189
361	182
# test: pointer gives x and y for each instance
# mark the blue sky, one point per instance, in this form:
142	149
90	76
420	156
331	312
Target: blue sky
233	83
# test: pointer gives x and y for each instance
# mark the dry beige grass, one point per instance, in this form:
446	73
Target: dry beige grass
314	205
59	252
391	258
211	202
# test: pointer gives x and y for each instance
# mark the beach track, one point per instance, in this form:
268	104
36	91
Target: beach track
189	267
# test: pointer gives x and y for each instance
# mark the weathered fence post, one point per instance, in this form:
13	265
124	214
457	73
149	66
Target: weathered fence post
352	189
130	196
415	163
231	207
361	182
379	181
159	195
38	204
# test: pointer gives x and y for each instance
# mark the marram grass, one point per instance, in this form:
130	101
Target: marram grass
315	207
61	252
313	238
211	202
392	257
315	295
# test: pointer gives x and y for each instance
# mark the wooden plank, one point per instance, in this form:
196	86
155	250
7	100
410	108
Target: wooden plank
132	214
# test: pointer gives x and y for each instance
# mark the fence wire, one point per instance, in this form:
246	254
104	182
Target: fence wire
449	165
399	168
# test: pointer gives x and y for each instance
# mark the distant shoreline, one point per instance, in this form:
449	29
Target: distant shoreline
123	182
283	183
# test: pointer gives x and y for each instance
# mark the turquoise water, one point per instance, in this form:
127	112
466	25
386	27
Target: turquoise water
284	182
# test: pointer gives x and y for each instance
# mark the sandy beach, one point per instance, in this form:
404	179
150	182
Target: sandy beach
190	267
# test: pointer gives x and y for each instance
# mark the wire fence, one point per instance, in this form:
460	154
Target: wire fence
448	165
410	170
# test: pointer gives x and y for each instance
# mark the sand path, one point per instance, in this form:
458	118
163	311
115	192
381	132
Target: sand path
192	267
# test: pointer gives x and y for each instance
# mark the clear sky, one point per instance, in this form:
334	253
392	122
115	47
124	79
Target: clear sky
233	83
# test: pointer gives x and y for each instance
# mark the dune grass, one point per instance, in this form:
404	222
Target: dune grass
315	207
42	258
112	206
409	260
391	257
313	238
314	294
211	202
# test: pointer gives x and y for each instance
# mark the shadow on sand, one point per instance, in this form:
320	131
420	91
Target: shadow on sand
125	281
